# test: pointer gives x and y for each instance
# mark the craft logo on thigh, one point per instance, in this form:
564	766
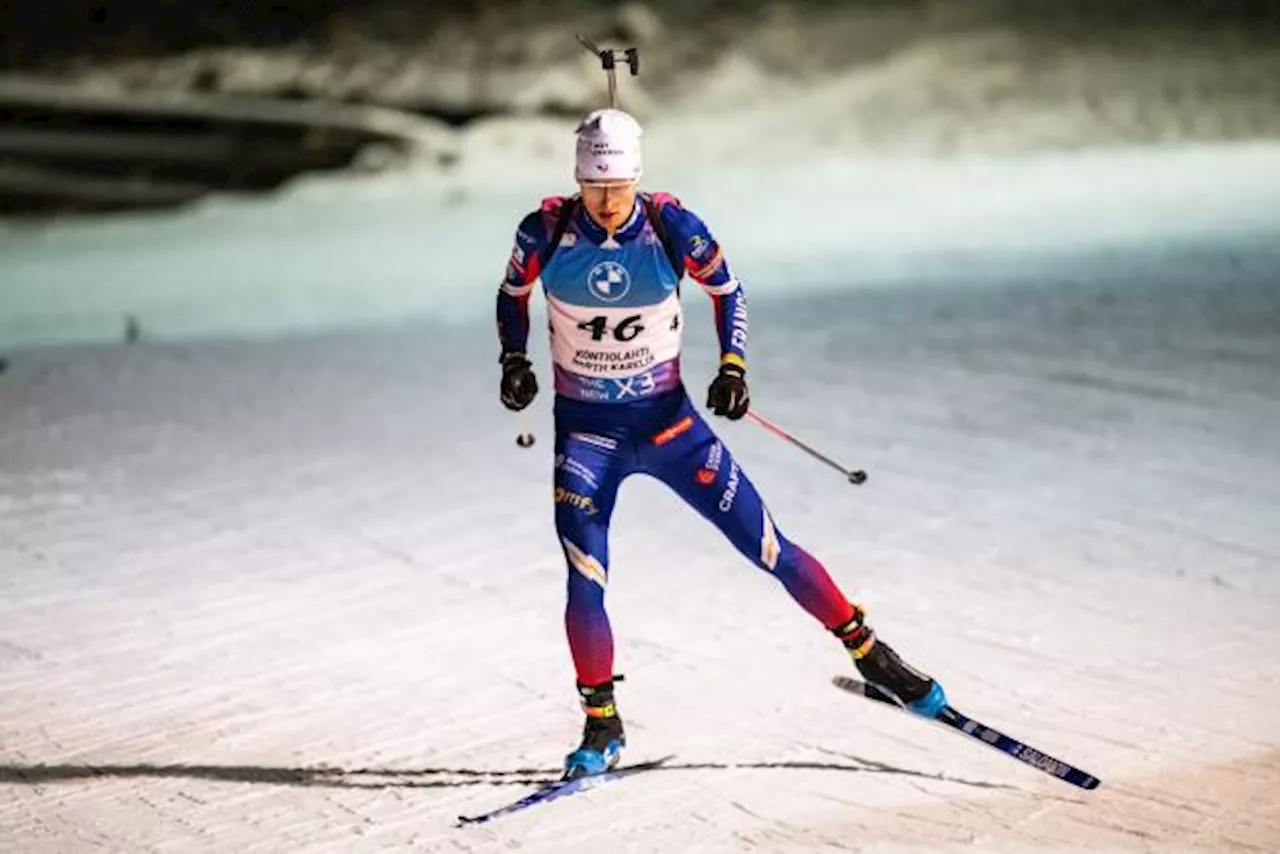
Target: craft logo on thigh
585	503
730	490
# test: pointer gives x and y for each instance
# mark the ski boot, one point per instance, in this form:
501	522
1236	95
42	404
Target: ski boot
602	735
881	666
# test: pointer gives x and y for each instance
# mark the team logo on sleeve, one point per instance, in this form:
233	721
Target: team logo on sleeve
609	281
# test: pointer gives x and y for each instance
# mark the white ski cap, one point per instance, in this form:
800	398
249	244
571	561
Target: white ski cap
608	147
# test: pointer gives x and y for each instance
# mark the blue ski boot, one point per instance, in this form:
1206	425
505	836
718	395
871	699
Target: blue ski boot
602	735
881	666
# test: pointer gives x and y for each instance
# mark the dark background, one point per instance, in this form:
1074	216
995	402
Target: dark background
40	32
120	105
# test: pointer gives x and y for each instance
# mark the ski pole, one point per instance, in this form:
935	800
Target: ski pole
855	476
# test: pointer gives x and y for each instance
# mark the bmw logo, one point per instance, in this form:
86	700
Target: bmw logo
609	281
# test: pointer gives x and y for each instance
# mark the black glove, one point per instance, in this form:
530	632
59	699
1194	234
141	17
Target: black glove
728	395
519	385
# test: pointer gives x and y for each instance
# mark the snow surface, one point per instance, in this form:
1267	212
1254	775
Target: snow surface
264	593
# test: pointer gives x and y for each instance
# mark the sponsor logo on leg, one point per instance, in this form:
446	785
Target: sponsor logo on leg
597	440
576	500
706	475
769	549
730	490
674	431
577	468
585	564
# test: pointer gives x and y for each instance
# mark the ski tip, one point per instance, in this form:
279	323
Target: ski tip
847	683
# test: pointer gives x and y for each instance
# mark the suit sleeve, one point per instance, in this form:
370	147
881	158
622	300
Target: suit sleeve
706	264
523	270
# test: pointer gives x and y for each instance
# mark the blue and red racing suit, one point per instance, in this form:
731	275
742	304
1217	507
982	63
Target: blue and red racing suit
621	408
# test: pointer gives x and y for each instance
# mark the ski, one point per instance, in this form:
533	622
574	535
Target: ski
980	731
562	789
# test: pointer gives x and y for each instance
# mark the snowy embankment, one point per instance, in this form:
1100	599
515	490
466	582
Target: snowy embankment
352	251
862	79
786	83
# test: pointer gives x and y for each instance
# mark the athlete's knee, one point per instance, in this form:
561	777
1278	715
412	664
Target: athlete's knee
778	555
770	551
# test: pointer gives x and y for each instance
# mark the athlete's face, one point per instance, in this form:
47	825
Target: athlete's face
609	202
